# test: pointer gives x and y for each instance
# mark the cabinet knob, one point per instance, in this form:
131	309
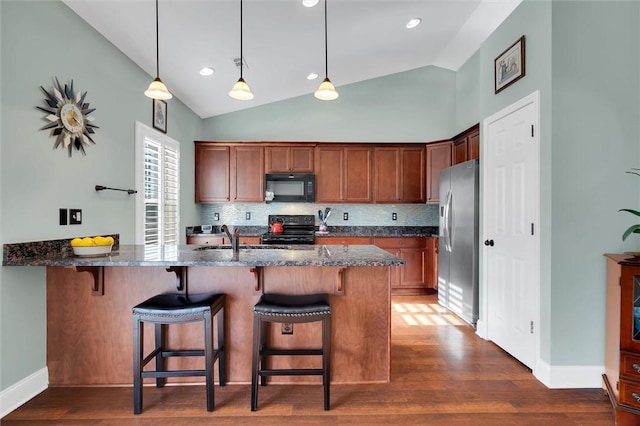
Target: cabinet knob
636	367
636	397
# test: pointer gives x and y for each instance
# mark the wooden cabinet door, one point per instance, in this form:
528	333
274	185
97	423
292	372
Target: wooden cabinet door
439	156
301	159
212	173
277	159
247	171
412	274
329	166
473	145
387	178
357	176
460	150
431	263
288	159
412	170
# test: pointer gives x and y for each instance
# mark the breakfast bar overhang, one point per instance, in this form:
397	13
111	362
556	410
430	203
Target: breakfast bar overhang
89	302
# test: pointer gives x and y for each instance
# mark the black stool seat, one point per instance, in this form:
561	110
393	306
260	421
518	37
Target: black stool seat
284	308
165	309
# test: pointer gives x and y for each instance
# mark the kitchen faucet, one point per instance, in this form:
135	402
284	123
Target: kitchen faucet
235	239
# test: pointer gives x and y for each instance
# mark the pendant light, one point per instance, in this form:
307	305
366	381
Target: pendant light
326	91
157	89
241	90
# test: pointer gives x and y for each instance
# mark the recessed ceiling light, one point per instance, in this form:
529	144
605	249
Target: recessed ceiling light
309	3
206	71
413	23
312	76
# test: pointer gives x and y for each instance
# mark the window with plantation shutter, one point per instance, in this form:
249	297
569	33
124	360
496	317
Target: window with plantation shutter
158	174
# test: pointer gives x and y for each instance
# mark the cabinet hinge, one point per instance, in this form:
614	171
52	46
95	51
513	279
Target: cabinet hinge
532	229
531	329
532	130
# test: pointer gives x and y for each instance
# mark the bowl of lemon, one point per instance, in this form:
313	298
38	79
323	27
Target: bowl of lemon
92	246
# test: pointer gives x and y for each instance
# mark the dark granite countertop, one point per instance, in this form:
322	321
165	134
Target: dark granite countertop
339	231
195	255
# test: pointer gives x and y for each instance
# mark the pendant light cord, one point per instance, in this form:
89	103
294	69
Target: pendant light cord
326	55
241	60
157	44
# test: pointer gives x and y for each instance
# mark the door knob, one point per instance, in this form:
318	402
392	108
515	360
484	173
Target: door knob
488	243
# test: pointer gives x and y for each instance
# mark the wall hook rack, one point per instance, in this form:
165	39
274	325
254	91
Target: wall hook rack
128	191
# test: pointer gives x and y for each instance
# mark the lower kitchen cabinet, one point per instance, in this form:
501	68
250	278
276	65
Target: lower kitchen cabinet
418	276
621	380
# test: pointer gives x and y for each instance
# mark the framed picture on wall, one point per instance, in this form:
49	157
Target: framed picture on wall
509	66
160	115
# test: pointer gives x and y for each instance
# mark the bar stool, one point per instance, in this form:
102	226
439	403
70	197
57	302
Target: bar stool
165	309
281	308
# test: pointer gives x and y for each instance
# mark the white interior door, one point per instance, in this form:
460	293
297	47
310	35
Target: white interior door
510	227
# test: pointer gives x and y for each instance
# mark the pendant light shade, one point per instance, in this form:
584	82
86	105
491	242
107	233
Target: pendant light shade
326	91
241	90
157	89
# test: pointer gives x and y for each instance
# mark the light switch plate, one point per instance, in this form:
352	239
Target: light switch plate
75	216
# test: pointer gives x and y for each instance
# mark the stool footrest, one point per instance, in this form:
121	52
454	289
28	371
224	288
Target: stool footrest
270	352
182	352
292	372
174	373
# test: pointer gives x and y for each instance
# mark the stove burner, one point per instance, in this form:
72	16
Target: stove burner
298	229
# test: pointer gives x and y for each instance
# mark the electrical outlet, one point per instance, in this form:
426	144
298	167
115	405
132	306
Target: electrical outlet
247	215
394	216
345	216
64	215
75	216
216	216
287	328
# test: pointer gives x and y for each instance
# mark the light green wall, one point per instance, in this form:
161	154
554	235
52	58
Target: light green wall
41	40
596	138
413	106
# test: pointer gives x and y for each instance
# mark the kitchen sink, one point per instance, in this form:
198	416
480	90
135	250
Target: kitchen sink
245	247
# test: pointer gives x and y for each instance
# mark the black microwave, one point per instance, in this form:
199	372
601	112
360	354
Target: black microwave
290	187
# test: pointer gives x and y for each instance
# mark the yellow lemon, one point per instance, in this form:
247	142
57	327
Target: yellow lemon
100	241
110	240
76	242
87	242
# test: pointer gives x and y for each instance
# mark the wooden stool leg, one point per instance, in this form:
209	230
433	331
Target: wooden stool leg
208	359
255	360
138	339
264	334
326	360
160	361
222	370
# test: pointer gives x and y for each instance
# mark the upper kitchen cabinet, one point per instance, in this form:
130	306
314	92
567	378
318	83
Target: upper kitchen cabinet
399	174
466	146
212	173
247	174
439	156
288	159
228	173
343	174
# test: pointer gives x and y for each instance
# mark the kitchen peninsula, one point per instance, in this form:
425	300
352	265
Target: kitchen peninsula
89	301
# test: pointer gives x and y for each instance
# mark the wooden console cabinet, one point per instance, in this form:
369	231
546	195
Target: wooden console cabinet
621	380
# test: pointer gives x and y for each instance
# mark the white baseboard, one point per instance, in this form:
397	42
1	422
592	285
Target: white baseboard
569	377
21	392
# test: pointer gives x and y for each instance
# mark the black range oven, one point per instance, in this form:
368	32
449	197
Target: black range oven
297	229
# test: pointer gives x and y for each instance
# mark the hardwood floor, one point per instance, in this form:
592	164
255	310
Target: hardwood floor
442	374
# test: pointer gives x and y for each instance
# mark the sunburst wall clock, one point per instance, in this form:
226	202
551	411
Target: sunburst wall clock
68	117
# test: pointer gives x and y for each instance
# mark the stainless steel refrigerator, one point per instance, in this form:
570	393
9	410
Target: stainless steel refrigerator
458	241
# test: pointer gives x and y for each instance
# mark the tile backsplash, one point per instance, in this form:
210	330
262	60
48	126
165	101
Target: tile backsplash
255	214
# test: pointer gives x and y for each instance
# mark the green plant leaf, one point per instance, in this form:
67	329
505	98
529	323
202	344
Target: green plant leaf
633	229
636	212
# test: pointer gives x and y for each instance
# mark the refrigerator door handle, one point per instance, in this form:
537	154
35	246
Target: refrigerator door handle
447	222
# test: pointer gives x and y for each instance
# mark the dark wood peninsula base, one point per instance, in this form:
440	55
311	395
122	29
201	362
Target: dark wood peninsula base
89	336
